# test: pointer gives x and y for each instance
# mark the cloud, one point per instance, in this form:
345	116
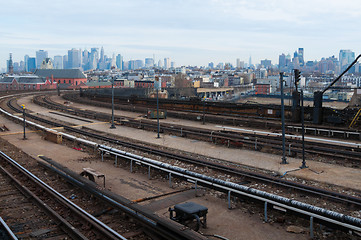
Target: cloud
207	29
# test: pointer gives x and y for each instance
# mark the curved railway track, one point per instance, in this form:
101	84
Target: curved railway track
254	140
201	112
316	211
217	166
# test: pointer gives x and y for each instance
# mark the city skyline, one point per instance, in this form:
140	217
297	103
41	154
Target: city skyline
188	32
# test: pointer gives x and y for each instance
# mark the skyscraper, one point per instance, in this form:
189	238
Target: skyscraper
119	62
40	56
26	58
346	58
166	63
300	56
74	58
65	62
94	58
149	62
102	58
282	61
85	60
10	64
58	62
31	64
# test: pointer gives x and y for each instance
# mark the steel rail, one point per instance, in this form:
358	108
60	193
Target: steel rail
220	117
158	225
7	229
64	224
327	149
341	219
100	226
293	205
300	187
170	232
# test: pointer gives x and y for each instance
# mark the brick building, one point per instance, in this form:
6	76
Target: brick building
66	78
263	89
23	83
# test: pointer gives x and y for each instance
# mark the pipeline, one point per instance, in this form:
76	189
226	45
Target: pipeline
214	182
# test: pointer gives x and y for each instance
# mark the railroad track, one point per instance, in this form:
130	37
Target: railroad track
330	217
253	140
217	166
235	119
145	222
50	222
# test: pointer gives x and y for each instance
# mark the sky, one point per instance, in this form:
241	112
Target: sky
189	32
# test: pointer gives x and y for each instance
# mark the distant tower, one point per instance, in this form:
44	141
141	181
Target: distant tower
40	56
300	56
10	64
166	63
102	58
250	61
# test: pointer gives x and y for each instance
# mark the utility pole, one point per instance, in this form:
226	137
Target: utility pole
112	126
204	111
284	159
303	132
158	128
23	107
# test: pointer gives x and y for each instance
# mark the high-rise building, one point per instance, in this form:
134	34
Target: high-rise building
31	64
10	65
26	58
266	63
85	58
119	62
58	62
300	56
94	58
282	61
346	58
74	59
166	63
211	65
238	63
149	62
172	64
65	62
40	56
113	63
102	56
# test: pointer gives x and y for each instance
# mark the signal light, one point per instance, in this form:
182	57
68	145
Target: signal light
297	76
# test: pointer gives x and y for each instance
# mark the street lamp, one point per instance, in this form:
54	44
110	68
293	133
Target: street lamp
204	111
158	128
112	126
23	107
284	159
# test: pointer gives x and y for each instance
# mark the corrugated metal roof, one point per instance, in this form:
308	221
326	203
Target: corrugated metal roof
23	79
96	84
60	73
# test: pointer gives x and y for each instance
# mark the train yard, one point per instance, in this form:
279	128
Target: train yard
239	185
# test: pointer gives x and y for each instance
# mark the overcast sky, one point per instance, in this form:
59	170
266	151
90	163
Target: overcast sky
189	32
